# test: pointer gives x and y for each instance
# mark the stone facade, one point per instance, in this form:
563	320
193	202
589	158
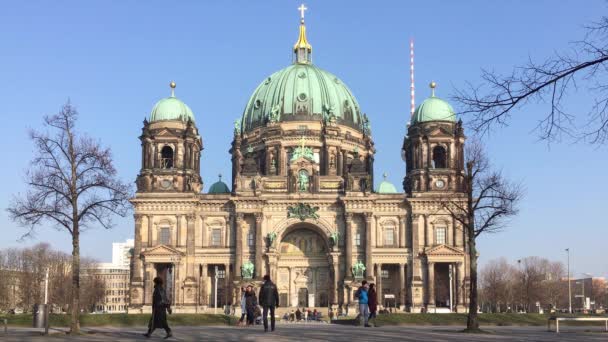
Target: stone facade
310	235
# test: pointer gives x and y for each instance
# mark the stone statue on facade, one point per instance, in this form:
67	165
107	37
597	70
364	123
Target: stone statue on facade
237	126
334	238
270	237
247	270
303	181
358	269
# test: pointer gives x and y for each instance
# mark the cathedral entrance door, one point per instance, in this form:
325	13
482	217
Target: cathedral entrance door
303	297
303	274
165	272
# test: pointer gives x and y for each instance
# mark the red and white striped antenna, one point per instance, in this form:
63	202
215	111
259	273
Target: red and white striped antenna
412	87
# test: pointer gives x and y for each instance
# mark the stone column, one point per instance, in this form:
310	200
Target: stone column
203	232
339	163
344	163
148	285
379	284
204	284
272	266
227	288
150	231
335	257
137	263
259	243
178	233
228	236
369	265
190	220
459	288
402	236
282	161
238	258
348	245
402	285
431	283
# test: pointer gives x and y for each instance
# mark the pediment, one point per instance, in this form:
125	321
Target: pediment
165	132
443	250
162	250
302	161
438	131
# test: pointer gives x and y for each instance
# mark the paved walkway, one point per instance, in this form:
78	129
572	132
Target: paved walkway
319	332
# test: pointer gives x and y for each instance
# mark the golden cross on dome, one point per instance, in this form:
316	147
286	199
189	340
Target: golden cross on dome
302	8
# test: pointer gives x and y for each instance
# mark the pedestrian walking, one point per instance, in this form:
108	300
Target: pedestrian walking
243	306
160	306
269	299
361	295
251	302
372	303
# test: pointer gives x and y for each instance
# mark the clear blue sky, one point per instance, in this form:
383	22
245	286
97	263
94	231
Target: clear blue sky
114	60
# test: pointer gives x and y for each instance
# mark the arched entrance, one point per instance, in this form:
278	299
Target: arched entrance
303	267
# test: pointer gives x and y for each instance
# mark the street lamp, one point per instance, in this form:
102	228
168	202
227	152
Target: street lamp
569	288
521	290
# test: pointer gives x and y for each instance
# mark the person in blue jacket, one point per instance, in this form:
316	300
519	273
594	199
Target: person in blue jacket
361	295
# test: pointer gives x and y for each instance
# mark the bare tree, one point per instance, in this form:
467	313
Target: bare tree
490	200
548	82
72	184
496	281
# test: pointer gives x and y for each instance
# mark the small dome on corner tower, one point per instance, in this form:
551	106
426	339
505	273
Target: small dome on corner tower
171	108
434	109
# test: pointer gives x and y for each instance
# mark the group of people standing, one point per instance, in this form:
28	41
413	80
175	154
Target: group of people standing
368	303
268	300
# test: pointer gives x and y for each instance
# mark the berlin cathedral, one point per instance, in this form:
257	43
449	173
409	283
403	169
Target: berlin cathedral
301	205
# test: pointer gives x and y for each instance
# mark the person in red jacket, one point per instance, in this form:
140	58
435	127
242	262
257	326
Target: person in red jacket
372	302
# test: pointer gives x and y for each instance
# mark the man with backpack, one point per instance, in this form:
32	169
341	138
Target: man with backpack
361	295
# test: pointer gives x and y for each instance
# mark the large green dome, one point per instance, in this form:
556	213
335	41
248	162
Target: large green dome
301	92
434	109
171	108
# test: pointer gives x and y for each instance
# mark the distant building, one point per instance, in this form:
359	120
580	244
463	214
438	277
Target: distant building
116	277
121	253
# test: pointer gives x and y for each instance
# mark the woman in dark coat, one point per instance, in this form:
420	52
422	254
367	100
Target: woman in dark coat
372	302
160	305
251	302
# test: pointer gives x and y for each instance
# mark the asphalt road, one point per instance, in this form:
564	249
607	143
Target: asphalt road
318	332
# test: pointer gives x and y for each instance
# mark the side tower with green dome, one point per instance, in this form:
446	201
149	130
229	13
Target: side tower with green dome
302	131
171	149
433	149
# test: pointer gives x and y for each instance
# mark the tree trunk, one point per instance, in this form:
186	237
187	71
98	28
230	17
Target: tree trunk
472	321
75	324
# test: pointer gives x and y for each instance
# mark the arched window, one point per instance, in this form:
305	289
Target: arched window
389	235
439	158
166	157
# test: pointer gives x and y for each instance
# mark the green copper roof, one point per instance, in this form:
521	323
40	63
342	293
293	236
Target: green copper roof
386	187
434	109
219	187
301	92
171	108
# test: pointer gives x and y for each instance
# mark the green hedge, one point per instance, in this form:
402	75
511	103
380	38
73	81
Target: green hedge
121	320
